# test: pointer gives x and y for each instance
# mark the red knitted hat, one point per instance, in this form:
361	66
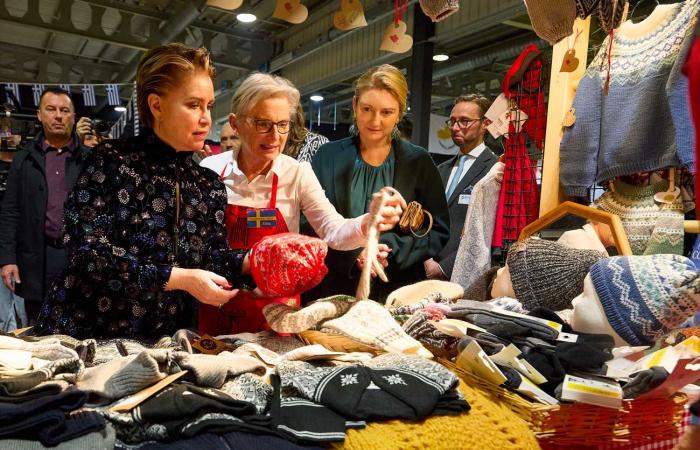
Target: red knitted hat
288	264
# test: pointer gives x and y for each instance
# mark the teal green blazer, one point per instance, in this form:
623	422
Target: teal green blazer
416	177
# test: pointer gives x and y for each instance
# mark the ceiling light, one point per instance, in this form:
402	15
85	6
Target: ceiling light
120	108
316	98
440	57
246	17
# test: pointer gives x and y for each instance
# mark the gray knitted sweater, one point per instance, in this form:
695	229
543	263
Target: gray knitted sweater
644	122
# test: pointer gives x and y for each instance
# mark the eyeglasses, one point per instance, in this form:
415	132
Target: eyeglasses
263	126
463	123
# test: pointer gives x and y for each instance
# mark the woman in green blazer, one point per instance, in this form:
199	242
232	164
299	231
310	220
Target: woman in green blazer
350	169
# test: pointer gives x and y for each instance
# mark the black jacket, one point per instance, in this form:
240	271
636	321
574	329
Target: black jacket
458	210
23	214
417	178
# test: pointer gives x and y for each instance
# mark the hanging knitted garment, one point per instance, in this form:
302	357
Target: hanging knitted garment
643	123
519	200
651	227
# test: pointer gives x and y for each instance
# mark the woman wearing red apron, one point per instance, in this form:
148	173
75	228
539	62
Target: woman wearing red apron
268	191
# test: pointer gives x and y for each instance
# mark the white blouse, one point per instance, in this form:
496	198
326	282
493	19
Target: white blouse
298	191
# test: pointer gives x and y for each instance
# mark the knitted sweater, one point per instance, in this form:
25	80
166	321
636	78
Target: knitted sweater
644	122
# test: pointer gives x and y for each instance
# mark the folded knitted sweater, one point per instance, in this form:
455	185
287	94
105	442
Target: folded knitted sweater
643	123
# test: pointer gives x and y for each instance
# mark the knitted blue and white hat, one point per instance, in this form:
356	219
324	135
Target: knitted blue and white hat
646	297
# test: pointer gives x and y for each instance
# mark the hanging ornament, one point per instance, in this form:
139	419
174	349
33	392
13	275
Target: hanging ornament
569	117
351	15
225	4
570	61
291	11
395	38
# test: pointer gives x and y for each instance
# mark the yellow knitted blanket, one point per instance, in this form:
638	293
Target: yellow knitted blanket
489	425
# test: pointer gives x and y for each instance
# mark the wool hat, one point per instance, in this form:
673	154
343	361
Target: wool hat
646	297
549	274
288	264
584	8
553	20
651	227
439	10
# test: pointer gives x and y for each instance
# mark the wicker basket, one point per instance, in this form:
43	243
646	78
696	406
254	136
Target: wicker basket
579	425
336	342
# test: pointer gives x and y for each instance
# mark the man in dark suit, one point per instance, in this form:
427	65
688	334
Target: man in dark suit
460	173
31	218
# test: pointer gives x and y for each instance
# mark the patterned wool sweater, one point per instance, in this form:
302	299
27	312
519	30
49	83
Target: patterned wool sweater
644	122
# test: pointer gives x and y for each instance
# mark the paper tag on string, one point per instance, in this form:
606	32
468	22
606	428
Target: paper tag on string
351	15
291	11
395	38
225	4
570	61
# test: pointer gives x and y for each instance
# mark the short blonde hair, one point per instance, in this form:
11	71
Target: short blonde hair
162	68
260	86
385	77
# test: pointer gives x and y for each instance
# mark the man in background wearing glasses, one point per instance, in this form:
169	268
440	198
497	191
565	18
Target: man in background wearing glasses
460	173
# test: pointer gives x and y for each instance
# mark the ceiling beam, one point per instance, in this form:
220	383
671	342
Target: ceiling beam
21	54
163	16
332	35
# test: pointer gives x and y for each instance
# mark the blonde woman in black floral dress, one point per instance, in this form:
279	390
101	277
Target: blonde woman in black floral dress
145	225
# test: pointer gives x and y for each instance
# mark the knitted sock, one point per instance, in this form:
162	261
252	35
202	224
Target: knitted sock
68	369
125	376
47	417
285	319
49	349
553	20
212	370
75	425
644	381
95	440
180	401
370	323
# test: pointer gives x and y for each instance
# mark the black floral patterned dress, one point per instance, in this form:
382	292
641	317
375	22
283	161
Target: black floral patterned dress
122	241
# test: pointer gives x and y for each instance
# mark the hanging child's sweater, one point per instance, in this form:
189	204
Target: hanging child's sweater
643	123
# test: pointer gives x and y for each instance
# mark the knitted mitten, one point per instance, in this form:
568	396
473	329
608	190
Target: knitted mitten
285	319
553	20
439	10
369	323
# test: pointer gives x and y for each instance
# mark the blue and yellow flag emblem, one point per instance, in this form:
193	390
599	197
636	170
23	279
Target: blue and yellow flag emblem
262	218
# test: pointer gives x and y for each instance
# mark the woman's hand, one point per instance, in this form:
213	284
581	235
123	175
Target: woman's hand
205	286
383	251
387	206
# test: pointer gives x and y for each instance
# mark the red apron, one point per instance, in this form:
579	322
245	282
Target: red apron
245	227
